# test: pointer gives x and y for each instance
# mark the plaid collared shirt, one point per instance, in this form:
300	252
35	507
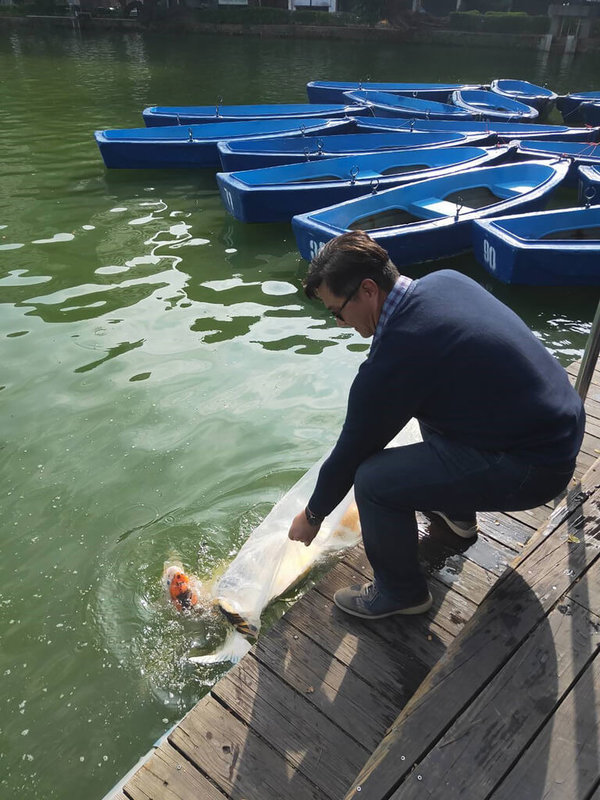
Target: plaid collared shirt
392	301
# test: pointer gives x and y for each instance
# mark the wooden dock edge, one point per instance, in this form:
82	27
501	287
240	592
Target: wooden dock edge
483	646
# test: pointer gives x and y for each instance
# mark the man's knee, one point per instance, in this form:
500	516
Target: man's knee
370	476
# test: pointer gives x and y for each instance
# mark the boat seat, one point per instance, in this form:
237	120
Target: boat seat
442	208
512	188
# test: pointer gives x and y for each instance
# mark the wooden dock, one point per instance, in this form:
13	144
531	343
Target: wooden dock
492	694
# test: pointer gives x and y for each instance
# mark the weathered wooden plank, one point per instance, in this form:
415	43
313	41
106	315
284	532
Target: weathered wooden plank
499	526
405	636
236	759
585	460
568	510
464	577
484	551
479	748
510	611
169	776
592	406
488	553
450	610
533	517
592	427
392	667
593	392
564	760
449	568
591	440
594	386
586	592
291	725
345	698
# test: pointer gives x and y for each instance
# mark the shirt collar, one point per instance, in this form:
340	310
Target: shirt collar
391	303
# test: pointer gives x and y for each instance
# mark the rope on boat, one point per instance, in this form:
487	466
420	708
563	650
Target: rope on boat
459	206
589	195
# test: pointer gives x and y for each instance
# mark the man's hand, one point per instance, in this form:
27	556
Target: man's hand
301	530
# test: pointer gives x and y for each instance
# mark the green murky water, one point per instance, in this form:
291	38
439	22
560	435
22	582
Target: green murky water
163	380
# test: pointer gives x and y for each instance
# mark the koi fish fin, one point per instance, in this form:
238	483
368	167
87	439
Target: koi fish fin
233	649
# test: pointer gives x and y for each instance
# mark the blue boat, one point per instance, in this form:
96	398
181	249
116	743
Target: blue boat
536	96
502	131
388	105
569	105
590	111
548	248
196	145
589	185
489	105
333	91
255	153
275	194
578	154
433	218
197	115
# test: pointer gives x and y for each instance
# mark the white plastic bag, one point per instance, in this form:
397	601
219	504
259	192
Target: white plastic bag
268	563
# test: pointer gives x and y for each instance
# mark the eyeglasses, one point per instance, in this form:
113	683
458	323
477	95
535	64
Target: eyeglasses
338	314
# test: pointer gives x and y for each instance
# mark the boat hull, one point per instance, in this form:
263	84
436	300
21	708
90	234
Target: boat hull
485	105
255	153
578	154
333	91
195	146
549	248
382	104
158	116
589	185
590	111
275	194
569	106
431	219
537	97
496	130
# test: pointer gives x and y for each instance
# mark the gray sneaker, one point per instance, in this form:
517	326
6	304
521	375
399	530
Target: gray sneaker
366	601
465	528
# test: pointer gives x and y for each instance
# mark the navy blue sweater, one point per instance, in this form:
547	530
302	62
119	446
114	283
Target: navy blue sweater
467	366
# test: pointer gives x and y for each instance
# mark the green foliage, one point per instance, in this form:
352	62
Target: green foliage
499	22
46	8
314	17
262	15
367	11
466	20
533	7
242	15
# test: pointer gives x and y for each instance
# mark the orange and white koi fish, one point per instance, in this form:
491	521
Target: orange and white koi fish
183	589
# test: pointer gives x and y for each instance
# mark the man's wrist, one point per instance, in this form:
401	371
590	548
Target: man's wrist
311	518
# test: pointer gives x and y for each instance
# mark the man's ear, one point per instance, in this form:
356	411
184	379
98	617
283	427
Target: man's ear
369	286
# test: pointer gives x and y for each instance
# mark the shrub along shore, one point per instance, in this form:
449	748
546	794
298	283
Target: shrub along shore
470	28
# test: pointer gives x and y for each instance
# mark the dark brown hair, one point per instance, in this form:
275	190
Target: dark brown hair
345	261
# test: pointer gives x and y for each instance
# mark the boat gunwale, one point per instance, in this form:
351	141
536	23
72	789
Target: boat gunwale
440	221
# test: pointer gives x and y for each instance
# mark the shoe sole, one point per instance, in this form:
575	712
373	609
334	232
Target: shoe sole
407	612
470	533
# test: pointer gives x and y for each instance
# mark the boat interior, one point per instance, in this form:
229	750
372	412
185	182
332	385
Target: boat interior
579	233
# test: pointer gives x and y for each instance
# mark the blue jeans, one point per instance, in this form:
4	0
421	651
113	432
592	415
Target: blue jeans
439	475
